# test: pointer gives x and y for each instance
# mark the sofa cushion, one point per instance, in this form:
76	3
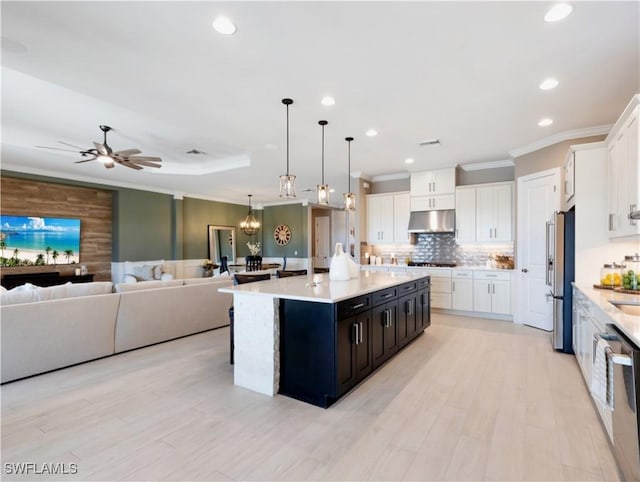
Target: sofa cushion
53	292
147	285
88	289
25	293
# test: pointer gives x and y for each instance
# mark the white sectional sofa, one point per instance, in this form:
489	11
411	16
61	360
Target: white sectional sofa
42	334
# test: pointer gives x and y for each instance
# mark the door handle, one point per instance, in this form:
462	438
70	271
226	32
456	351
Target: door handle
361	331
611	222
357	335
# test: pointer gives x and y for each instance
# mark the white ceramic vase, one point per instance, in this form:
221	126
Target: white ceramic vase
340	269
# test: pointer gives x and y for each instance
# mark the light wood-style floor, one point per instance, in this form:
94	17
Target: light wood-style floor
472	399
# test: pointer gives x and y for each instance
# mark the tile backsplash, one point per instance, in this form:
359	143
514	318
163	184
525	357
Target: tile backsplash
439	247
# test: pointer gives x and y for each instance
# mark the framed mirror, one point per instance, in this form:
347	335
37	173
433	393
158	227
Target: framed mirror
222	242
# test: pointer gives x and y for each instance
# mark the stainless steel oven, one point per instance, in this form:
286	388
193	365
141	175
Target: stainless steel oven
625	360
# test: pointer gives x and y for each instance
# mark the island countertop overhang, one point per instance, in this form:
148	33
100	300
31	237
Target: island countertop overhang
319	288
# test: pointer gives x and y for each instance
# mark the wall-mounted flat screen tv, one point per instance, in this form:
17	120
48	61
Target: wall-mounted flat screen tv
34	240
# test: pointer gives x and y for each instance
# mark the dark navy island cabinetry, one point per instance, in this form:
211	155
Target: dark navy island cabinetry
327	348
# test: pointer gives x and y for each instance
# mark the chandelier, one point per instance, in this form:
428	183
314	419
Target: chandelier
250	224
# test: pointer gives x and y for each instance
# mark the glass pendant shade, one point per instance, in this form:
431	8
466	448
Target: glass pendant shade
287	185
323	194
323	189
349	201
287	181
250	224
349	197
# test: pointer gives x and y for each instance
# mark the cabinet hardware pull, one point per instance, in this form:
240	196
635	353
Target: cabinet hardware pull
610	222
490	235
489	288
387	295
453	285
409	307
494	289
361	331
632	208
357	336
359	305
491	275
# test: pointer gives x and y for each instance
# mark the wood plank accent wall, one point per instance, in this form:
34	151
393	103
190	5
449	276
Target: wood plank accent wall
22	197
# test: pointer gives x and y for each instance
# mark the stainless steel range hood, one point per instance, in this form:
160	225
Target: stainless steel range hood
433	221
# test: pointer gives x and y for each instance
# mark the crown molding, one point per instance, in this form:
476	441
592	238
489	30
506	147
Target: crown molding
560	137
390	177
478	166
360	175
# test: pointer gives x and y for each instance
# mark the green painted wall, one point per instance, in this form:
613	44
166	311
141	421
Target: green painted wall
143	225
198	214
293	215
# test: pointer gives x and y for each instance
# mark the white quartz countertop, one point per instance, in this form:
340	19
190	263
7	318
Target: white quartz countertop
318	288
628	324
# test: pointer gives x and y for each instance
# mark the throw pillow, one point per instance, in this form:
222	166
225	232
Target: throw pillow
143	273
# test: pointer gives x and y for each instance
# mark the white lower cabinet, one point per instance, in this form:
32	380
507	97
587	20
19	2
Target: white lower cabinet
440	286
587	325
462	290
492	292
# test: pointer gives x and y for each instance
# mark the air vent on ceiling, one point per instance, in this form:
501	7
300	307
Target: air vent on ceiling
430	142
195	151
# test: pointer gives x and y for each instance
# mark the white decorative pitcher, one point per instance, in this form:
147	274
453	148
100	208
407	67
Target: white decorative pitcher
340	269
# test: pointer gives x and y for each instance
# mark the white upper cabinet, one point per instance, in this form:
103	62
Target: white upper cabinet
465	214
494	213
436	182
623	172
433	190
484	212
401	214
388	218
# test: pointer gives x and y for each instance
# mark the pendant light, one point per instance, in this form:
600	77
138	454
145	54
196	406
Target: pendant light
323	189
349	197
287	181
250	224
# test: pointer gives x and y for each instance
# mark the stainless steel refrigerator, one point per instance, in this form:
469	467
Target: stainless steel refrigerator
560	274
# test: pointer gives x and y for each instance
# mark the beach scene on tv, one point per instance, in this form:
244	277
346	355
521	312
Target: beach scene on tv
36	241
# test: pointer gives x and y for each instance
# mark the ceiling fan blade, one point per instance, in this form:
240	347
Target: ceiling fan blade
131	165
101	148
128	152
143	163
85	160
71	145
144	158
56	149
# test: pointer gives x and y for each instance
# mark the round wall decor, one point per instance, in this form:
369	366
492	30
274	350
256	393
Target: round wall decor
282	234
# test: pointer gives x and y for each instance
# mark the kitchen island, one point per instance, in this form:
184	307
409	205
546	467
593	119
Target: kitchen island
314	339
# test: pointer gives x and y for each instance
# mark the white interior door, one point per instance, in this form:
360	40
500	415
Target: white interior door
538	198
323	237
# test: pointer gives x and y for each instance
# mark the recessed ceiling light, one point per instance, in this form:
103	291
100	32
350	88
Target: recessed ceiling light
224	26
372	133
409	160
545	122
558	12
328	100
549	83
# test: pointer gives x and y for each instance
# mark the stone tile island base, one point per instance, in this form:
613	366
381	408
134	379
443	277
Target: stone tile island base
257	343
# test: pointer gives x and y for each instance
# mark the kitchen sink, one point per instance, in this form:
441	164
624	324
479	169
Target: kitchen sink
628	307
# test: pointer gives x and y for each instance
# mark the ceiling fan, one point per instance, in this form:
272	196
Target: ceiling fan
104	153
